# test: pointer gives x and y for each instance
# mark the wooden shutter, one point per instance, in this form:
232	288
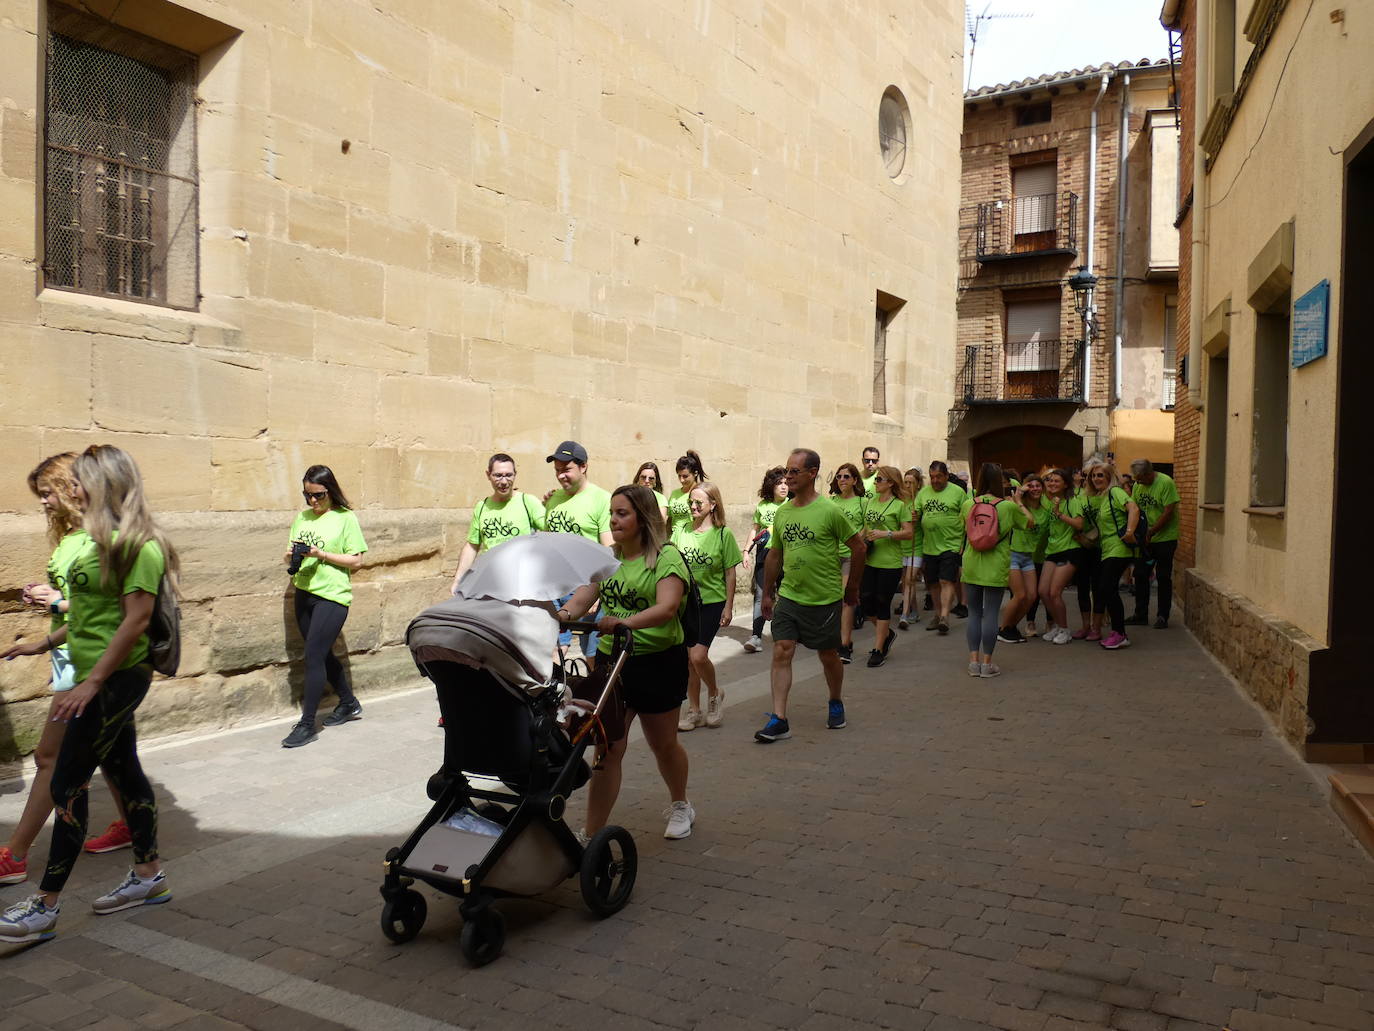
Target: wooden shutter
1033	187
1032	335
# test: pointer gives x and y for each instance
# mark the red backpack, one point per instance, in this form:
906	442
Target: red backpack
983	529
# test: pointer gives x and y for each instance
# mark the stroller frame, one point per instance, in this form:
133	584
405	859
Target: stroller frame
606	879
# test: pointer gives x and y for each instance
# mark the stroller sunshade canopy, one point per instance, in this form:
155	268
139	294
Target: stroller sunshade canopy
514	642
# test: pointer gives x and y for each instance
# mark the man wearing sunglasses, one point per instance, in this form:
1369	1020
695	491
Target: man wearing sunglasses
871	458
809	532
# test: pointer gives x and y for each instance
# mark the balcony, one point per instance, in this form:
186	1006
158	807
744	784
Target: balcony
1036	372
1028	227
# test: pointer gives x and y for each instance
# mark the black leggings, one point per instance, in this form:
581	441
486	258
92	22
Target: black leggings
321	621
876	591
102	736
1108	580
1085	575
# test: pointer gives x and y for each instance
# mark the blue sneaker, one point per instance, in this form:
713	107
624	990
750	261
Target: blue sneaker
776	729
28	921
836	720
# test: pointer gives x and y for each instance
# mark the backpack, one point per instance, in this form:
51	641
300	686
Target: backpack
690	615
983	528
164	631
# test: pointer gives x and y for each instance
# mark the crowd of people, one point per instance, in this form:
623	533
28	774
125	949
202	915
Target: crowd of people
819	565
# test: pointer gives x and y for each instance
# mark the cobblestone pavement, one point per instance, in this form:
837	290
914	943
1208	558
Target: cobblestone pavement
1092	840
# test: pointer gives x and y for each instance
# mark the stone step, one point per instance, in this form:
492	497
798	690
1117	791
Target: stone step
1352	796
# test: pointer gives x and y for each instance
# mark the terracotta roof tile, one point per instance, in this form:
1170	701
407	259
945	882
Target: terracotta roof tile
1050	78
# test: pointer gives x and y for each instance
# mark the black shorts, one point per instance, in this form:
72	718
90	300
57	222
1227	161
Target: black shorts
879	586
1073	556
655	682
944	566
710	624
815	626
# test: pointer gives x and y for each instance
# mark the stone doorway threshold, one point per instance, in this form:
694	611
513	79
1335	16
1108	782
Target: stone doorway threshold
1352	796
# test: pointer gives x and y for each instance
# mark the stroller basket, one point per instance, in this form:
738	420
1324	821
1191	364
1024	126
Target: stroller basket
482	841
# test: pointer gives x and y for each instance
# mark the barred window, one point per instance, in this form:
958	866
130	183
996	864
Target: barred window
120	184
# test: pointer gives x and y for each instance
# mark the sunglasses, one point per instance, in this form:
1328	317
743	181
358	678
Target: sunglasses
880	479
697	504
313	495
870	461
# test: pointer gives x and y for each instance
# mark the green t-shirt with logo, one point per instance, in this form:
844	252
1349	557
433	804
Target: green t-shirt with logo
1110	512
1024	538
63	555
493	524
708	555
96	610
885	515
633	588
809	538
991	568
764	512
853	510
679	509
1153	499
337	532
869	490
1061	533
588	512
942	527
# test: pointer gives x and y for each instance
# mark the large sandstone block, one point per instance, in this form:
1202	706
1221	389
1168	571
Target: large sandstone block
158	388
426	412
23	452
294	415
413	125
317	221
402	602
40	389
374	39
251	630
17	210
373	344
163	461
320	279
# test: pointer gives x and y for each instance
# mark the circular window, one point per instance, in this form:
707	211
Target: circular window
894	122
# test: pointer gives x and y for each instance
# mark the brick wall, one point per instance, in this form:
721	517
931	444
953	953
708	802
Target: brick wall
1187	419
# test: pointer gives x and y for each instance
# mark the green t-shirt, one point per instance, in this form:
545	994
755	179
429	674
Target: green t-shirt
991	568
708	555
1025	539
660	500
679	509
809	538
494	524
1153	499
337	532
942	528
1061	533
633	588
588	512
62	557
1109	512
764	512
853	510
888	515
96	611
869	491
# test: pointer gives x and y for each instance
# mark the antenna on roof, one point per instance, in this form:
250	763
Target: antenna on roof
973	24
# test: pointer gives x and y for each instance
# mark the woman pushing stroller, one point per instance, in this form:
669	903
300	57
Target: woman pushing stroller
644	595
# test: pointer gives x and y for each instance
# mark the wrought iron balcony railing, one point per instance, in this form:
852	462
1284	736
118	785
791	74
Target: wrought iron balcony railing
1020	227
1039	371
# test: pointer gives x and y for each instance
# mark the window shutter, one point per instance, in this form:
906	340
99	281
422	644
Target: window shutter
1032	336
1033	187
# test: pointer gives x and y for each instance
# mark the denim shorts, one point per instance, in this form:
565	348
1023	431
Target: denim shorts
1023	561
913	561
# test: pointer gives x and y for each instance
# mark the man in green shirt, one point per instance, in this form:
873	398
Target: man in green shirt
871	458
804	549
504	514
577	506
1157	497
937	513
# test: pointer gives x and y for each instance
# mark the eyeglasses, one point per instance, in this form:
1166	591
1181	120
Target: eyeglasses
844	476
697	504
870	461
314	496
503	476
790	471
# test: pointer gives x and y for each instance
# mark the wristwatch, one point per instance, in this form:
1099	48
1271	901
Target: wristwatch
54	607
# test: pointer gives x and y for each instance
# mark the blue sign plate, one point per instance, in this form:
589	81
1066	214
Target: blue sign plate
1311	315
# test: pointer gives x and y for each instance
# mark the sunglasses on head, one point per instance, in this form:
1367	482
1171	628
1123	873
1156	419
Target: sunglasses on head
311	495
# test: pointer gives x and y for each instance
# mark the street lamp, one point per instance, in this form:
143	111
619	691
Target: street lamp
1082	283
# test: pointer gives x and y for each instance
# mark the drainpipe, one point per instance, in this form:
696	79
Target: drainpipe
1092	228
1197	290
1122	180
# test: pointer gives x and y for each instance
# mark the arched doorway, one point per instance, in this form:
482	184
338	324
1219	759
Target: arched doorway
1024	448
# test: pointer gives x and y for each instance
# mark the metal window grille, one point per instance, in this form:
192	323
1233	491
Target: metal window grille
120	186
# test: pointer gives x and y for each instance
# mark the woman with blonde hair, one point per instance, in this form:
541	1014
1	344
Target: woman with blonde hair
887	522
847	491
645	596
711	554
1066	514
1118	517
912	480
52	482
113	582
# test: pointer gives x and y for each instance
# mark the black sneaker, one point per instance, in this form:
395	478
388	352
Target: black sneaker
776	729
301	734
960	611
876	658
929	606
887	645
846	653
942	627
1008	635
344	712
834	719
1020	638
1161	623
1139	619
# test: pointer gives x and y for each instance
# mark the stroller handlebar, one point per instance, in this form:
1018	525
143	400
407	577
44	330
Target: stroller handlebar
578	626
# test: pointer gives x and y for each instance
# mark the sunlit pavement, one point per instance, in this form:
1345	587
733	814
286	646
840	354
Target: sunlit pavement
1091	840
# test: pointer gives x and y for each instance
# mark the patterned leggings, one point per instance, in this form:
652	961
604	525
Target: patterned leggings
102	736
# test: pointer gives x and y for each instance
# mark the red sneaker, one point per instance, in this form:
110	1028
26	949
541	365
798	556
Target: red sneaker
116	836
12	871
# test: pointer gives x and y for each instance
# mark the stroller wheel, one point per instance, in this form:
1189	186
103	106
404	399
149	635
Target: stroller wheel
609	864
403	916
483	937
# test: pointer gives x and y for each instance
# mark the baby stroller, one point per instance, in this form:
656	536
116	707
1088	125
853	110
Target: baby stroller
496	828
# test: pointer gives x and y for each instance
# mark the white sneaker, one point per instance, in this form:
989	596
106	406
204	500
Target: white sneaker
754	644
135	891
1063	636
1051	632
28	921
715	709
691	719
681	816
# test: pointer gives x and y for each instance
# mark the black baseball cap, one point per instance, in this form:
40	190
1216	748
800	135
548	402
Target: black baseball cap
569	451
